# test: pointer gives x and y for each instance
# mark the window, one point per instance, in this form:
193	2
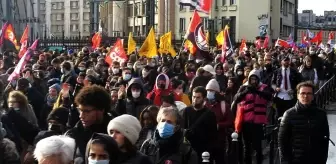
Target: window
144	32
87	4
233	28
74	27
74	4
192	8
60	28
130	10
281	6
86	28
182	8
285	8
232	2
136	9
182	24
290	8
53	17
156	8
216	3
74	16
42	6
155	27
53	28
86	16
60	17
143	8
223	2
54	5
43	17
60	5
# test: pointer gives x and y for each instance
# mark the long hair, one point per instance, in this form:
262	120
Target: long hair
21	99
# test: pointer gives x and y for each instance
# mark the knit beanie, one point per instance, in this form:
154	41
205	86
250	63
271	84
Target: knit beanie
127	125
56	86
213	85
60	115
2	132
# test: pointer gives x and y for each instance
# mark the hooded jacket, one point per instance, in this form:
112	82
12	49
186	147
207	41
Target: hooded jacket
131	105
156	94
111	147
253	100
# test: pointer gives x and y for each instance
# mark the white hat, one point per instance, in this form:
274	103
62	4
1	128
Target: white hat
213	85
209	69
127	125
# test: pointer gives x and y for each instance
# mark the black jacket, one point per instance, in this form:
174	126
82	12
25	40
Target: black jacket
304	136
130	105
294	78
172	149
201	128
82	135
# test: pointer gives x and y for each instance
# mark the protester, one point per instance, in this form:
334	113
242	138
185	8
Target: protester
168	144
125	130
55	149
304	130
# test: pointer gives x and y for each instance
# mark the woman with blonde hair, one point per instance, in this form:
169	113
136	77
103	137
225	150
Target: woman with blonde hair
19	102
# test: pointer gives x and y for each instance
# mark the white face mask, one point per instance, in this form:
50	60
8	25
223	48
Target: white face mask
92	161
136	94
178	91
115	70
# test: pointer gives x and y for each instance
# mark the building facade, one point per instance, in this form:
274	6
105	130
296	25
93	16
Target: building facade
307	18
118	18
69	16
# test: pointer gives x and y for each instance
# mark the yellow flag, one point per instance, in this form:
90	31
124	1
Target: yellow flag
165	44
220	38
131	44
148	48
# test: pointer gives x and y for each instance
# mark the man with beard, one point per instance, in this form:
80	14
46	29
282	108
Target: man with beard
200	123
267	70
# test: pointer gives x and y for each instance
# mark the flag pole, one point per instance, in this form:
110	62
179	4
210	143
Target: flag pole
184	39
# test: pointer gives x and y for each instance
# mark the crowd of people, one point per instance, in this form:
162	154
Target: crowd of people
72	107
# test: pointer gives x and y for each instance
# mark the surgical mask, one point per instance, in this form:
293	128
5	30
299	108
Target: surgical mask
130	66
127	77
152	64
16	109
81	68
55	127
211	95
239	72
92	161
115	70
135	94
165	129
198	60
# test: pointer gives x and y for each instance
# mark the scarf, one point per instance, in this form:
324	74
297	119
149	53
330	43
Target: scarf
168	145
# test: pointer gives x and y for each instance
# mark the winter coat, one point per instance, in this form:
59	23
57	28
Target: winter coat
133	158
201	128
82	135
172	149
304	135
130	105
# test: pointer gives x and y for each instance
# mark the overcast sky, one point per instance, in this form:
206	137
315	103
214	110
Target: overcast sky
318	6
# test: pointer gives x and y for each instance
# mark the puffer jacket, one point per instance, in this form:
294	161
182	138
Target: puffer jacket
304	135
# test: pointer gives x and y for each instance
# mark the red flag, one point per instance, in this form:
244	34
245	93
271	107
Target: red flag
10	35
227	49
243	46
331	37
200	5
23	61
266	42
282	43
318	38
96	39
24	42
195	34
117	53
